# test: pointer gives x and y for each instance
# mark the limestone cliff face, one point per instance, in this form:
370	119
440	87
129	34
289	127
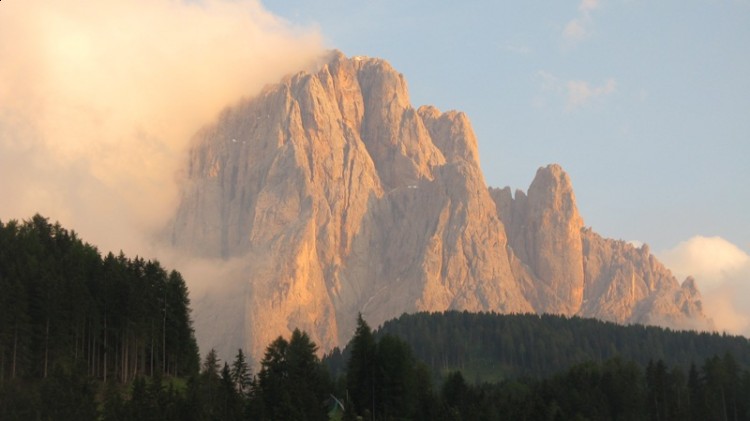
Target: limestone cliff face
569	269
338	197
544	228
626	284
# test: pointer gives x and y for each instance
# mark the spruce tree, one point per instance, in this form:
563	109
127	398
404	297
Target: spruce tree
240	373
360	370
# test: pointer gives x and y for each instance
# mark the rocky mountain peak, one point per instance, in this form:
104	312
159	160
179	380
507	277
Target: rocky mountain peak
333	196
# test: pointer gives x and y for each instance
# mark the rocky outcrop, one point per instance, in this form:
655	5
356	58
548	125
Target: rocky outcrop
544	229
626	284
339	197
569	269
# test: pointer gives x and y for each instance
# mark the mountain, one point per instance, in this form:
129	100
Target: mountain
335	196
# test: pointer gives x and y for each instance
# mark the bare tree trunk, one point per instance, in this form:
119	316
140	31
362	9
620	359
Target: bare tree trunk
105	348
135	359
95	353
164	336
125	358
90	354
152	347
15	353
46	347
75	347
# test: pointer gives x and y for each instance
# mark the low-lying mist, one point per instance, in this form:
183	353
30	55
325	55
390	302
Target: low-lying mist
99	101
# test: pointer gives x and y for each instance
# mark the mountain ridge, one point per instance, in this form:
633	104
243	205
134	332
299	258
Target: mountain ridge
341	198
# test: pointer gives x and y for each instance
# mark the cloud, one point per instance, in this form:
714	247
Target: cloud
574	31
581	92
577	28
99	100
722	273
586	6
574	93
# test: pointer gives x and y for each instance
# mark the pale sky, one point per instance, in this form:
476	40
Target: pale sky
645	104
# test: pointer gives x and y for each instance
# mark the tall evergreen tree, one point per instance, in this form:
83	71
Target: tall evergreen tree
240	373
395	378
360	369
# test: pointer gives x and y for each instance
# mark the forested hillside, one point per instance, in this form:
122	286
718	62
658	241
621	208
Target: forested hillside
492	347
384	379
85	337
65	307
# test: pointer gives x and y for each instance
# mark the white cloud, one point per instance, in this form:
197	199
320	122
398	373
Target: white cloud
587	6
577	28
722	273
574	31
574	93
711	260
99	100
581	92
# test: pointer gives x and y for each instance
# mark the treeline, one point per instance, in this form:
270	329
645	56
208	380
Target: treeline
383	380
85	337
612	390
492	347
64	308
291	385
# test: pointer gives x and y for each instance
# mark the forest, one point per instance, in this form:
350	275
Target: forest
493	347
86	337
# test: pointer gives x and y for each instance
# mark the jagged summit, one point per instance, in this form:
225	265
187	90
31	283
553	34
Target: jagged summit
339	197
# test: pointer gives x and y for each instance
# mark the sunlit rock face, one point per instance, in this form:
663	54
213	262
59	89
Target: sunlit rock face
336	197
566	268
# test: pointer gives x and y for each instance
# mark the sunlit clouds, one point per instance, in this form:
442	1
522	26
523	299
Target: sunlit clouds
722	272
99	100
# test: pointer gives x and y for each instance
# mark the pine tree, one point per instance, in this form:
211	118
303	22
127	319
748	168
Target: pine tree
360	370
395	378
307	380
240	373
272	382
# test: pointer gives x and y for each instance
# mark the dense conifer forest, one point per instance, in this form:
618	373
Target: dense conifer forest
65	307
492	347
70	318
86	337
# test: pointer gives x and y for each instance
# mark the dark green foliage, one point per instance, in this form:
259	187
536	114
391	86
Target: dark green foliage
360	369
550	367
241	377
89	338
395	378
614	390
292	383
72	323
382	377
491	347
68	396
65	307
